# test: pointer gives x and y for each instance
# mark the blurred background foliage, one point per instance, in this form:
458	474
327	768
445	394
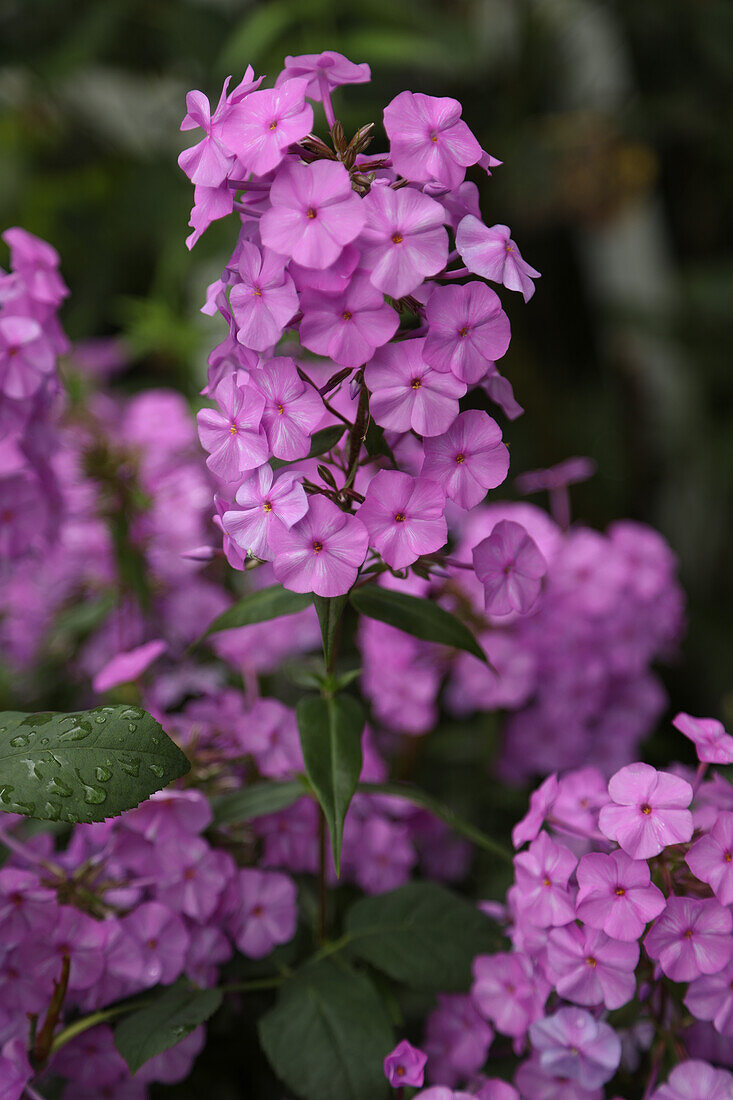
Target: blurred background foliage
614	121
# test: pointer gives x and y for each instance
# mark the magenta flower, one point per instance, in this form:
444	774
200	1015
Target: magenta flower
510	566
541	802
710	997
711	858
26	356
690	938
541	875
292	409
468	459
713	744
168	814
27	908
209	204
263	911
259	128
324	71
264	299
405	1065
15	1070
232	434
648	810
467	330
508	992
695	1079
573	1044
407	393
403	239
74	935
385	856
404	517
263	503
126	667
314	212
36	262
193	879
347	327
616	894
492	254
322	552
495	1089
161	937
428	140
208	162
588	968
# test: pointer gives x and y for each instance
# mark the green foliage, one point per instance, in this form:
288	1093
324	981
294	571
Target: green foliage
164	1023
420	617
330	736
328	1034
85	766
329	611
421	934
321	442
259	607
256	800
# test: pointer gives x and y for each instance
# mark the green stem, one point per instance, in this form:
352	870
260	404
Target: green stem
322	882
86	1022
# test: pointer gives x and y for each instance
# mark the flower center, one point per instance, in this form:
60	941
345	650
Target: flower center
396	238
509	248
688	934
546	881
233	429
267	507
317	546
152	944
416	383
400	1071
280	410
189	874
256	293
434	137
591	961
460	459
646	809
463	331
13	351
728	857
257	911
310	212
273	124
399	517
346	315
620	892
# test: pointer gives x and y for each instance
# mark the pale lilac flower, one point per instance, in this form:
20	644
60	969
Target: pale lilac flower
314	212
322	552
263	502
508	992
573	1044
710	997
347	327
492	254
36	262
264	299
713	744
263	911
648	810
468	459
261	126
324	71
711	858
161	936
272	738
696	1080
496	1089
537	1083
292	409
542	874
428	140
169	815
500	391
209	161
457	1039
407	393
26	356
403	240
511	567
404	517
192	880
232	434
386	856
129	666
15	1070
26	907
405	1065
467	330
75	935
616	894
588	968
690	938
209	204
540	803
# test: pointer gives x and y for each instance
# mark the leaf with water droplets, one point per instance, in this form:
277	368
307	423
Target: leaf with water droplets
85	766
163	1023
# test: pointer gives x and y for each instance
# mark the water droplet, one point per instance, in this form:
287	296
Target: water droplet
94	795
130	764
100	719
53	811
102	774
133	713
71	817
57	786
155	740
181	1030
20	741
38	719
157	769
132	727
76	733
45	740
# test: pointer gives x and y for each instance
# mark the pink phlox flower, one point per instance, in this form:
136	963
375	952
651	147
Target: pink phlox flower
292	408
428	139
270	734
209	161
27	908
405	1065
616	894
347	328
587	967
492	254
573	1044
457	1039
263	501
231	433
581	794
510	566
260	127
711	858
209	205
508	991
540	804
161	936
693	1080
468	459
710	997
314	212
129	666
569	472
542	874
690	938
407	393
467	330
648	810
263	299
36	262
324	71
263	911
322	552
713	744
26	356
404	517
500	391
403	240
496	1089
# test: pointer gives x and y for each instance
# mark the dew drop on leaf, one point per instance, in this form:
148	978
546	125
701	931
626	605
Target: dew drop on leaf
157	769
102	773
20	741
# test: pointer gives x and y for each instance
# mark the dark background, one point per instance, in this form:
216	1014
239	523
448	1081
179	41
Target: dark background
614	121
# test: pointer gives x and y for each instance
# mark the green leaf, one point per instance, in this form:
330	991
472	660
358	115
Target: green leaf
257	33
330	737
328	1034
321	442
85	766
256	800
420	617
164	1023
330	609
421	934
259	607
